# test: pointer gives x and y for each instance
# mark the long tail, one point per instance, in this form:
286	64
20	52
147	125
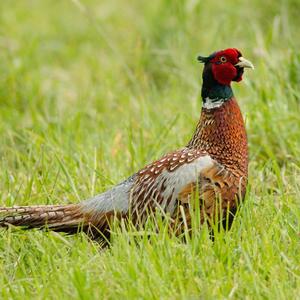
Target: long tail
70	219
65	218
93	216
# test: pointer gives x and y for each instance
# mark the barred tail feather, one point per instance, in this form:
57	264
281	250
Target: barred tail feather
93	216
65	218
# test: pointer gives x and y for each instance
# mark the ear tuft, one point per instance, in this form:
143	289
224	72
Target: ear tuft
206	59
203	59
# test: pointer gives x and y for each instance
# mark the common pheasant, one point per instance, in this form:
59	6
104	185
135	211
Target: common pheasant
213	165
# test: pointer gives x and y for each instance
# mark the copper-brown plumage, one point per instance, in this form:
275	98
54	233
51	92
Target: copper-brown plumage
214	166
221	133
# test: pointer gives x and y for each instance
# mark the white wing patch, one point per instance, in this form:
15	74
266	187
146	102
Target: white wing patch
176	180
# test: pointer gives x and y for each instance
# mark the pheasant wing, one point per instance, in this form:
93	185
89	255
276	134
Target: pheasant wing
175	178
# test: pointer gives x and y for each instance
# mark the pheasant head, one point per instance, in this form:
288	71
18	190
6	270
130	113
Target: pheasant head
220	69
226	65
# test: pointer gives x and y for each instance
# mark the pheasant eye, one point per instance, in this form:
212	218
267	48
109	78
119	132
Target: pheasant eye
223	59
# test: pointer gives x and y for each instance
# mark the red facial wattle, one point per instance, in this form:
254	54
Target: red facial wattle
224	73
223	66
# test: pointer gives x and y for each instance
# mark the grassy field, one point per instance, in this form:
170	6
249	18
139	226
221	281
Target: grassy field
91	91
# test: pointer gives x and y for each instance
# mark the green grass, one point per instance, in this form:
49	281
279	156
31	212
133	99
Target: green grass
91	91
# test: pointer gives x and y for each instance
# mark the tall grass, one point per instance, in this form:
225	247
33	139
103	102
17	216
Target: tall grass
90	91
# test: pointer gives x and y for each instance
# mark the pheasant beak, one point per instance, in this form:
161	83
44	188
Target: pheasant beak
244	63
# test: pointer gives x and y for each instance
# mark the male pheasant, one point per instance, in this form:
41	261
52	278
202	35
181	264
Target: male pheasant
213	165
